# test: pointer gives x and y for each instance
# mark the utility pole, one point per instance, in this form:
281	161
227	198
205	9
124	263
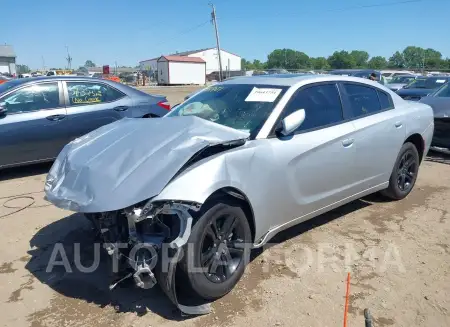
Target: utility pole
214	21
69	59
43	64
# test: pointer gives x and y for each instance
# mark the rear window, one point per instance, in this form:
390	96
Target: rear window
363	100
385	100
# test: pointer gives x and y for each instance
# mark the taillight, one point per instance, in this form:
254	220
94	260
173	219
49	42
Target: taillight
164	104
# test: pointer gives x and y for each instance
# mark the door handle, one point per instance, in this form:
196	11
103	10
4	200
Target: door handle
347	142
56	117
398	124
121	108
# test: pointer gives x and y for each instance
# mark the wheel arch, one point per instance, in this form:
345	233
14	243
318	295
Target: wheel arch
235	193
418	142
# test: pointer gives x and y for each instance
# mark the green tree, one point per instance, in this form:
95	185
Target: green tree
288	59
320	63
246	65
433	59
414	57
377	62
341	60
258	65
396	60
22	69
89	63
360	58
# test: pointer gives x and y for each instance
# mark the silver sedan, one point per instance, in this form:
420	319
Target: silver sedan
236	164
39	116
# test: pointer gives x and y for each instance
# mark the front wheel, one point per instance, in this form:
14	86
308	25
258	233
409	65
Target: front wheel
404	174
217	245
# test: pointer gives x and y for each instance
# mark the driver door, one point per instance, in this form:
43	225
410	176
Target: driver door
32	128
316	161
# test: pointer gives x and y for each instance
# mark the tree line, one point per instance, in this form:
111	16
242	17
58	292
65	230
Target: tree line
412	57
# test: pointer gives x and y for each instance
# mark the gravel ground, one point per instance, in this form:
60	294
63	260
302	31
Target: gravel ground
397	254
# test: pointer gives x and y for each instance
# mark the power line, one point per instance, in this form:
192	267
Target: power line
384	4
183	32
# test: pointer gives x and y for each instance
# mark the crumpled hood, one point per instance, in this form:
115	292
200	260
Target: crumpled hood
441	106
128	161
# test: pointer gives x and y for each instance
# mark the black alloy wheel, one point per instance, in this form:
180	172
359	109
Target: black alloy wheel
218	248
222	248
406	171
404	174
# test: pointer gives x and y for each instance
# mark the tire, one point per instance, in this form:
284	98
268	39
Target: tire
200	245
403	174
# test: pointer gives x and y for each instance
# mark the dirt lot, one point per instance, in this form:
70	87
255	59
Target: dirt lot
397	253
174	94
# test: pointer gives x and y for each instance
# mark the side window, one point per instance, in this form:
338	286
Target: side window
322	106
85	93
363	100
385	100
32	98
443	92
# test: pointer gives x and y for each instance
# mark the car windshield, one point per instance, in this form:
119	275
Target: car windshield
361	74
402	79
240	106
442	92
426	83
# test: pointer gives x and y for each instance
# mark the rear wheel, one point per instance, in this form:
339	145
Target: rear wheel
217	246
404	174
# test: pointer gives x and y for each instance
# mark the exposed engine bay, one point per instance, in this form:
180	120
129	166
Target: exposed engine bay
145	242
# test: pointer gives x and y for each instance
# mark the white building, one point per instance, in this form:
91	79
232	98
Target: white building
178	70
230	61
7	59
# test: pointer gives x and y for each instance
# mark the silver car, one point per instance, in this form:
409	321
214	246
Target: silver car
233	166
39	116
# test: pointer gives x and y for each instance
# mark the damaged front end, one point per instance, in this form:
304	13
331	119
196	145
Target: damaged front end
114	174
146	241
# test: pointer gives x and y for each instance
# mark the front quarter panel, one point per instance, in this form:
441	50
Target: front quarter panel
250	169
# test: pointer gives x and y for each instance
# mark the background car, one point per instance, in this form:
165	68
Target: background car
39	116
440	102
4	79
399	81
390	74
421	87
363	73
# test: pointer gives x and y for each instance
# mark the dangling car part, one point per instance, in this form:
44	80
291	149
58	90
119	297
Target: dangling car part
231	167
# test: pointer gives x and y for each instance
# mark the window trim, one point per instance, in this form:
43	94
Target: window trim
273	133
66	93
347	106
23	86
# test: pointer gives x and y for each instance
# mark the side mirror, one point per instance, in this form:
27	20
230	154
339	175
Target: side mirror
3	109
290	123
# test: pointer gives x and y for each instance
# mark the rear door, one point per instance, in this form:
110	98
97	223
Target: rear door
92	104
33	127
379	132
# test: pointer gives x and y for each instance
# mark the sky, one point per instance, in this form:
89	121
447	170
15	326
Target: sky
128	31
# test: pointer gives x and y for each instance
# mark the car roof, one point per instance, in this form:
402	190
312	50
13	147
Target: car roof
293	79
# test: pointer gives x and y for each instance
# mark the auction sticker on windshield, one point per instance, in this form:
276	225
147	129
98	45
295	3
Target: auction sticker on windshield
263	95
440	81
